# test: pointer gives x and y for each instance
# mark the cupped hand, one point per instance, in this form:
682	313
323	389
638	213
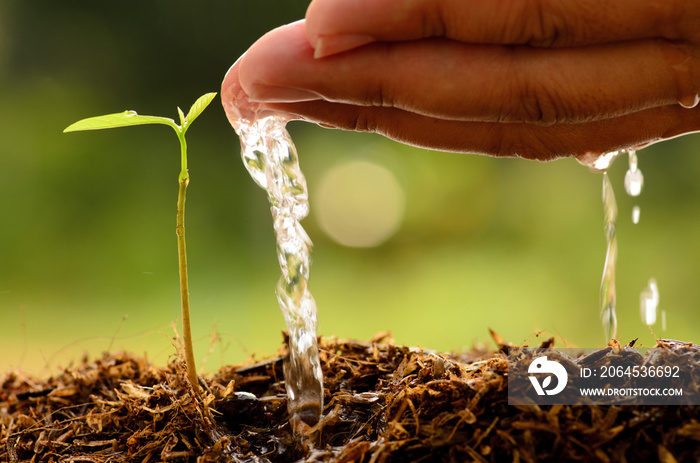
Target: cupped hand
538	79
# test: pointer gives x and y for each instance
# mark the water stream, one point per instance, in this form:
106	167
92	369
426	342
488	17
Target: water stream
271	159
649	297
607	285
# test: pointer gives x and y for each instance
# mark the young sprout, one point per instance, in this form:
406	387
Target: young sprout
130	118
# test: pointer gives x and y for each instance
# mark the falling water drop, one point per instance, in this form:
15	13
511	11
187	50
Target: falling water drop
634	180
649	303
635	215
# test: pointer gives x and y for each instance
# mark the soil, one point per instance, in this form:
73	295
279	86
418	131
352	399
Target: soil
384	403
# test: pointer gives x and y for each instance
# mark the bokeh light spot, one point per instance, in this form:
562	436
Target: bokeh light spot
359	204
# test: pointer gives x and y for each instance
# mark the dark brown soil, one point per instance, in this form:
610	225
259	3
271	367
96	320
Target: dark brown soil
384	403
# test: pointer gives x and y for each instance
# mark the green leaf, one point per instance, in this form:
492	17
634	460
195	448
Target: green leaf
199	106
125	119
183	121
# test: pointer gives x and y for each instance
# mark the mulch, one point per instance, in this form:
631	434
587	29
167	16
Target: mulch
384	403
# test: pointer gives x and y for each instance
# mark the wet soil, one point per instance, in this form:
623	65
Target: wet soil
384	403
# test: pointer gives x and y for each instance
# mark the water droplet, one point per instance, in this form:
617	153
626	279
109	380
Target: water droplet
649	302
635	214
689	101
634	181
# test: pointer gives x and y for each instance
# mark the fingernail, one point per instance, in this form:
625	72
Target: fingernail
327	45
273	94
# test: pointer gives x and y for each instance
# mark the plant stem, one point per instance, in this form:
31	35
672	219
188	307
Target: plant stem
184	179
130	118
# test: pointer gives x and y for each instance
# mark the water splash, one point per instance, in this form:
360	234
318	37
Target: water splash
271	159
607	284
649	303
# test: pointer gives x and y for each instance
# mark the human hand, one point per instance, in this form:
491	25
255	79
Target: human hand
539	80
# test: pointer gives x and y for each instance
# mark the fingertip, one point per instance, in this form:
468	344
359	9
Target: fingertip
234	99
264	64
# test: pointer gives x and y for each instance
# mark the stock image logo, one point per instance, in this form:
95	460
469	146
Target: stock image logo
604	376
551	368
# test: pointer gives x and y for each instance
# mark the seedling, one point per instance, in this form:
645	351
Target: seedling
130	118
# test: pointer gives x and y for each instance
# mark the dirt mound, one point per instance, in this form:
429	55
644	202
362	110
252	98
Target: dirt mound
384	403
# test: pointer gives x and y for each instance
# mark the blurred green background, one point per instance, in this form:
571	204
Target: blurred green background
88	256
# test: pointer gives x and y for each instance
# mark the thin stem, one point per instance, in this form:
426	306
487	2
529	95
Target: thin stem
184	179
183	153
